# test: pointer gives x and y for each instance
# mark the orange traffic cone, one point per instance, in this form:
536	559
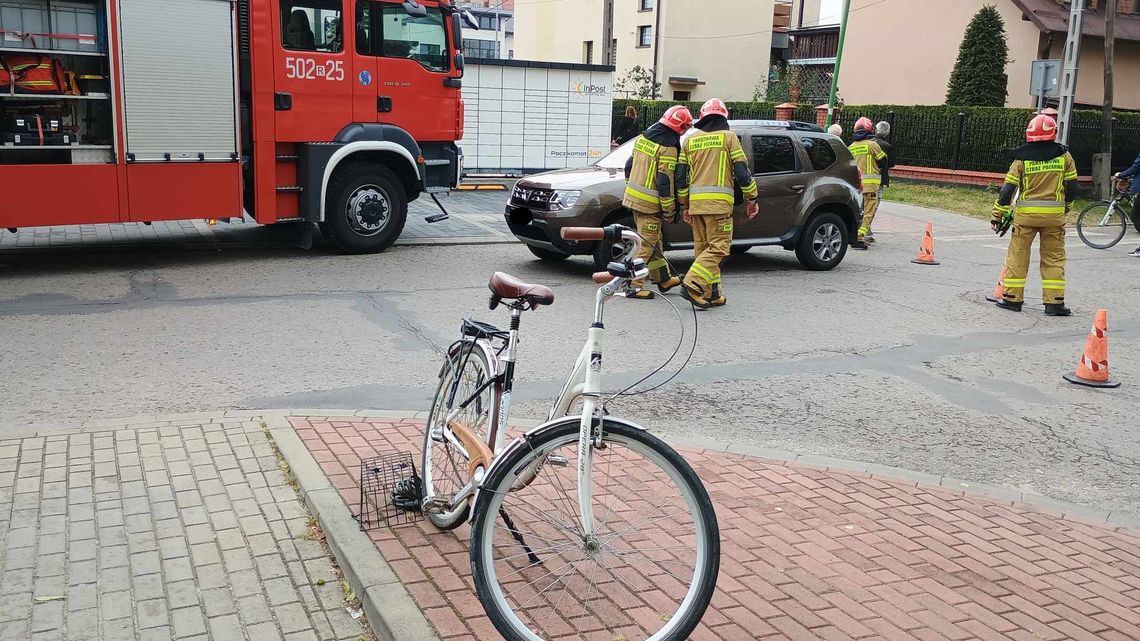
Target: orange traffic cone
999	289
1092	368
926	251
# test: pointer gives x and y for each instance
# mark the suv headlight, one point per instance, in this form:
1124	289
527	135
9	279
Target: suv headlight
564	199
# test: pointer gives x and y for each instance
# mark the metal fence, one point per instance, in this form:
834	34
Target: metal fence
941	137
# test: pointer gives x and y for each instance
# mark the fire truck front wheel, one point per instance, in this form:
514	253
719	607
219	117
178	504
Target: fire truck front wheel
366	209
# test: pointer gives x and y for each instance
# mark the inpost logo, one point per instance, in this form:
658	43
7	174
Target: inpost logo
586	89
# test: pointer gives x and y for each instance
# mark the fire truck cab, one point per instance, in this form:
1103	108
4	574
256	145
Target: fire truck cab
335	112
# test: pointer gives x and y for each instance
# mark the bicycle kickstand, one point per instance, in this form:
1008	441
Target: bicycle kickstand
534	560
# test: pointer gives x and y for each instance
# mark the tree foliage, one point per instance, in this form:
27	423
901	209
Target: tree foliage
979	77
639	84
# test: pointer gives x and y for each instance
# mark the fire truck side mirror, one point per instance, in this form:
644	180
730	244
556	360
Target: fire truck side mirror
415	9
470	20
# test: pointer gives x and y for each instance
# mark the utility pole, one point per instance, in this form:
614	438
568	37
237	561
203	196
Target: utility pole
838	61
1109	59
1069	73
608	33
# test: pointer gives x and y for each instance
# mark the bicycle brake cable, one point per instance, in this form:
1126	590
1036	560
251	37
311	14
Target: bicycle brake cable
680	342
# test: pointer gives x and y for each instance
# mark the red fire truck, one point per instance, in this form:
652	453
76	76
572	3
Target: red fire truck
335	112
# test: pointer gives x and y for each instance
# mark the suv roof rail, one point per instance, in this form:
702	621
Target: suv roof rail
778	124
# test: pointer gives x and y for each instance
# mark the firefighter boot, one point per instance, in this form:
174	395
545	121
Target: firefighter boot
718	298
1011	306
695	297
666	285
1057	309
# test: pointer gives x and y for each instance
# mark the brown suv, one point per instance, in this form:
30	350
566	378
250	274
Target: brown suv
809	199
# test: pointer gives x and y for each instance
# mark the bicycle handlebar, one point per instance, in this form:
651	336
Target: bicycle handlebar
603	278
583	233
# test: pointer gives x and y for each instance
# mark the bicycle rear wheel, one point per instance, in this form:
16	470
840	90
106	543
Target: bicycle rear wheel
1102	224
444	465
648	573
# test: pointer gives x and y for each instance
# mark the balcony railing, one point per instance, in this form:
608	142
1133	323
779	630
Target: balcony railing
811	46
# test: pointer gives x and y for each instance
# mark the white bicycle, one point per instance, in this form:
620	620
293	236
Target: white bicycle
586	526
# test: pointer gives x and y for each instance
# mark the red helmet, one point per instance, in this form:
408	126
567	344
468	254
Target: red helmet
864	124
714	106
1041	129
678	119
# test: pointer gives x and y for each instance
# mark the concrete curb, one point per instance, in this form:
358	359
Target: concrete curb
390	610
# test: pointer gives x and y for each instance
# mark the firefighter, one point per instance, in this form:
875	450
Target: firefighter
1046	176
869	157
712	163
650	194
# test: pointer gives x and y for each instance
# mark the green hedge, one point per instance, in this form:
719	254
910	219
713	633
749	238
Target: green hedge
927	136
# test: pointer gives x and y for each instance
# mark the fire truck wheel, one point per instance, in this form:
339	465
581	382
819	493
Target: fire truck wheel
366	209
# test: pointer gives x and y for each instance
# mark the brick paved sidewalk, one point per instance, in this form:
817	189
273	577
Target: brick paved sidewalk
175	530
817	554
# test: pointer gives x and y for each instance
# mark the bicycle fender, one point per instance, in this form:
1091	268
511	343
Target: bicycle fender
520	441
453	350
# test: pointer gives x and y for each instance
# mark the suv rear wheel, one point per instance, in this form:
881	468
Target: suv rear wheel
823	242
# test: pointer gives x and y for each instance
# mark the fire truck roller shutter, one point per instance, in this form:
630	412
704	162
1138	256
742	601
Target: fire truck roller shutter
179	107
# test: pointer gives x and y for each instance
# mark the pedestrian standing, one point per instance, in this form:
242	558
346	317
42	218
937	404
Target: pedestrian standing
650	193
712	163
625	128
870	158
835	130
883	138
1046	176
1133	172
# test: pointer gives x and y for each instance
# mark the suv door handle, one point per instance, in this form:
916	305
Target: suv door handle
799	189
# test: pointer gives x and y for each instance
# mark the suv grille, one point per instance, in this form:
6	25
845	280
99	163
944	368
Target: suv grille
531	197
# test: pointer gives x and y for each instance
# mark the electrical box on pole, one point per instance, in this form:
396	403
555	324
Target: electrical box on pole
1069	75
1045	81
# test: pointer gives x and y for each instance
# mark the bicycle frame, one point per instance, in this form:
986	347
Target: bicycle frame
585	382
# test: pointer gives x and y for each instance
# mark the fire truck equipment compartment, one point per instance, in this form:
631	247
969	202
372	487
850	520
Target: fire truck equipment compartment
179	84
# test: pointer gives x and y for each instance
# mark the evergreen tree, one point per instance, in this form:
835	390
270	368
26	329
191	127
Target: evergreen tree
979	77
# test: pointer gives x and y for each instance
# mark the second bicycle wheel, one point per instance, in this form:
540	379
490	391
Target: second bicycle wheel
1102	225
445	465
649	571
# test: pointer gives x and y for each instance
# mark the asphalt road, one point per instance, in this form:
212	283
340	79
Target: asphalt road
880	360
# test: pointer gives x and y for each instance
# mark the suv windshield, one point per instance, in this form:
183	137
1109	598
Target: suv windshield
616	158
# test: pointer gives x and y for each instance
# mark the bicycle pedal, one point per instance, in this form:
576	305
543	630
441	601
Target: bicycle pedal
435	505
557	460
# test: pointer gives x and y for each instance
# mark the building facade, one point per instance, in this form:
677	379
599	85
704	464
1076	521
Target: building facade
495	38
695	50
903	52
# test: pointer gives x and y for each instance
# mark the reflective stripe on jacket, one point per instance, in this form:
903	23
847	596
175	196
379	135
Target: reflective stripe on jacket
1042	197
869	157
709	166
650	188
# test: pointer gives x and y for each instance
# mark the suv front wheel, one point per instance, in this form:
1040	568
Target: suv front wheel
823	242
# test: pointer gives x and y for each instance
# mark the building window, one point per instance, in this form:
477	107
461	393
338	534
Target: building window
489	22
682	96
588	52
510	54
311	25
773	155
646	5
480	48
645	36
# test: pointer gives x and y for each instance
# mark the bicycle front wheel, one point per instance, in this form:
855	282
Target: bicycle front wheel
445	465
1102	224
648	572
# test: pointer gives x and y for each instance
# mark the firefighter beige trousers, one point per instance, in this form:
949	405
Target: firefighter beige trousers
1052	250
652	251
870	206
712	241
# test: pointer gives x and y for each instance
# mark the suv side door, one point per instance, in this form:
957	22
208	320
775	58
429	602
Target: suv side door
779	173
